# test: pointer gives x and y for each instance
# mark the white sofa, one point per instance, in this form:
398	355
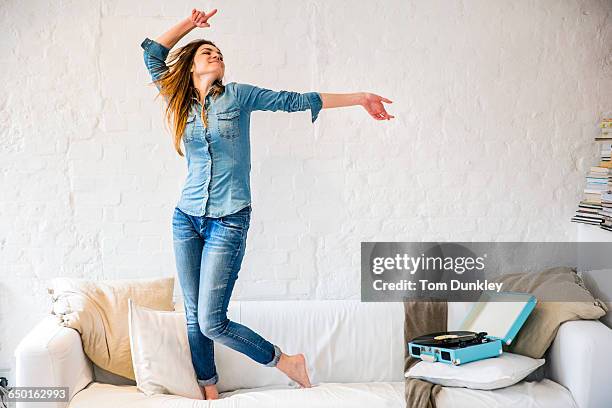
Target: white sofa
355	353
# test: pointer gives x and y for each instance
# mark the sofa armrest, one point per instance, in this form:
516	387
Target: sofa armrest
51	355
580	360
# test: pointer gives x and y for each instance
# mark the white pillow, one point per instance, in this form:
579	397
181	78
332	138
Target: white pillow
487	374
160	352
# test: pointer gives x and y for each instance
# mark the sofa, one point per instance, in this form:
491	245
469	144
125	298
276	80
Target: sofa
355	356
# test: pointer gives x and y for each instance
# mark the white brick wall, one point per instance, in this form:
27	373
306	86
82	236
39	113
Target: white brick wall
496	105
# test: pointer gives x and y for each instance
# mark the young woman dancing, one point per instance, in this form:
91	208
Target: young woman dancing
212	217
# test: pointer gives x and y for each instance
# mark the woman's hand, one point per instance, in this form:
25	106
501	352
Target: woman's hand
373	104
200	18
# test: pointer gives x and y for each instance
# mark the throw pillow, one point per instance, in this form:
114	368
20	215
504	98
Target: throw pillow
599	282
98	310
487	374
160	352
561	296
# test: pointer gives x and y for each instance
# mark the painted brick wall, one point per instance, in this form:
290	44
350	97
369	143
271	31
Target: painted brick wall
496	105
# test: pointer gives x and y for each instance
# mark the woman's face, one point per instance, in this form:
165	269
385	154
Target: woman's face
208	60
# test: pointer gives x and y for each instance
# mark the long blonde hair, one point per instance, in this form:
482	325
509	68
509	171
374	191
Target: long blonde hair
177	88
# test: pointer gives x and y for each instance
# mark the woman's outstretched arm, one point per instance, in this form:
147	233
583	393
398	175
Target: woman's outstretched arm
371	103
254	98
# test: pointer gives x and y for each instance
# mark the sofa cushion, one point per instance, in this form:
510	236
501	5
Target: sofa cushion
98	310
342	341
354	395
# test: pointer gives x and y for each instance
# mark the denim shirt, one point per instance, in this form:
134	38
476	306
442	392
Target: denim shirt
219	156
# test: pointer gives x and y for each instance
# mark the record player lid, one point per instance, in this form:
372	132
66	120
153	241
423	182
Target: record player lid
501	314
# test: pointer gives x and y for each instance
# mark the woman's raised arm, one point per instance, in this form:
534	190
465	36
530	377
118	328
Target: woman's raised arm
179	30
156	51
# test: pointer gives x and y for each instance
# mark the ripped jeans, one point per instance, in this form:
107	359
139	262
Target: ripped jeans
208	254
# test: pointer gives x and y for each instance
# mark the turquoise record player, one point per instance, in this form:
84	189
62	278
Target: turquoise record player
494	320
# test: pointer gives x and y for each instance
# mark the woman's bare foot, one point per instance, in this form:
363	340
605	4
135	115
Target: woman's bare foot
294	367
210	392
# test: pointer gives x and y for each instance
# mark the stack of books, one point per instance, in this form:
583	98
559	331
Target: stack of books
606	211
596	206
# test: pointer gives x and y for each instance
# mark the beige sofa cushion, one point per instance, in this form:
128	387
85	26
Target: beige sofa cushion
561	296
98	310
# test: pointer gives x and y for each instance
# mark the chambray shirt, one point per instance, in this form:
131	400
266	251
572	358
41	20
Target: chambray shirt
219	156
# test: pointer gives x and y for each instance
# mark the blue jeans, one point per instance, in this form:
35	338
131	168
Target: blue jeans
208	253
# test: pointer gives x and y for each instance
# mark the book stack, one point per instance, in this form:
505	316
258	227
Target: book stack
606	211
596	206
591	203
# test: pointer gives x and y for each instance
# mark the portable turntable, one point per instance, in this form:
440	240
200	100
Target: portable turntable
495	318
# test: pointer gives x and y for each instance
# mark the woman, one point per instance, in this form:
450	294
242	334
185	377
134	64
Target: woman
212	217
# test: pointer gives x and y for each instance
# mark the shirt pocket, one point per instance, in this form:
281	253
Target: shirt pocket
229	124
194	130
189	131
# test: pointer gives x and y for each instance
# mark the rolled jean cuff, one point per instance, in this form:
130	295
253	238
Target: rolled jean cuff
211	381
277	354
